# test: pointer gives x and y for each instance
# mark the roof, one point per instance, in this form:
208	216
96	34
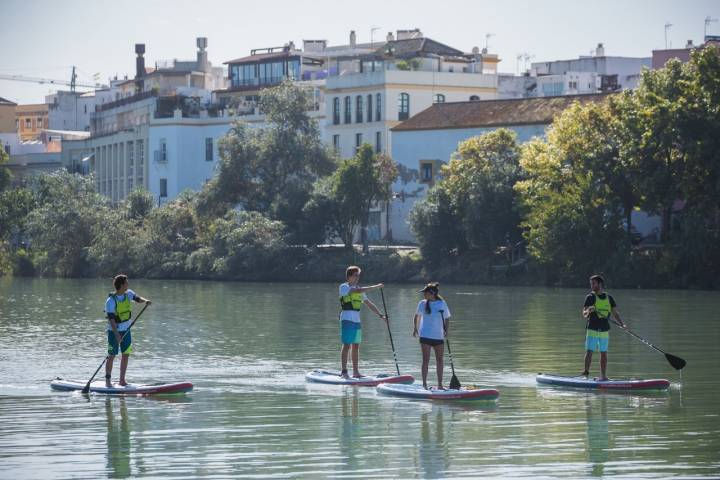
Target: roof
493	113
263	56
412	47
5	101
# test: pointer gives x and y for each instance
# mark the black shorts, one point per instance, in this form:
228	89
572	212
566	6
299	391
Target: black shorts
433	342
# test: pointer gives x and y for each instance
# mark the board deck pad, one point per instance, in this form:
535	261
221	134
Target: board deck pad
417	391
334	378
592	383
98	386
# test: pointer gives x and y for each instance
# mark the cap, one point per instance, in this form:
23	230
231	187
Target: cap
432	288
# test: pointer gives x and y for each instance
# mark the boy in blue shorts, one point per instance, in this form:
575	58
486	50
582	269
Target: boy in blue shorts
352	297
117	308
598	307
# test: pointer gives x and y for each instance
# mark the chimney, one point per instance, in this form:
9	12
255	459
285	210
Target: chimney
600	50
689	44
202	58
390	37
353	39
139	66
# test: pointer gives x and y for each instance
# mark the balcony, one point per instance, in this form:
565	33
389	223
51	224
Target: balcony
414	77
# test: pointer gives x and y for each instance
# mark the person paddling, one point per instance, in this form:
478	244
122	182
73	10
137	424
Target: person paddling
431	323
598	307
118	310
352	297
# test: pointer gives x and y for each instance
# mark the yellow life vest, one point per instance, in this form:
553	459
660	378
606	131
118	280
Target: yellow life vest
602	306
351	301
122	307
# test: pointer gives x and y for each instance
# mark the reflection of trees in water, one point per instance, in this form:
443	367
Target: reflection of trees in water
118	438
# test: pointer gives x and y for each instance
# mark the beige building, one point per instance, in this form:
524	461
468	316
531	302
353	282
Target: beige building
7	116
30	120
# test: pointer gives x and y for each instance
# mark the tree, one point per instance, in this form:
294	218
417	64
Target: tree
271	169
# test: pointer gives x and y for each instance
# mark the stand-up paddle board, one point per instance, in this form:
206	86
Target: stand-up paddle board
129	389
417	391
334	378
591	383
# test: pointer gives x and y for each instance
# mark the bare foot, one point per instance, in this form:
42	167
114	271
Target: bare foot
108	383
440	387
357	375
425	386
603	379
122	383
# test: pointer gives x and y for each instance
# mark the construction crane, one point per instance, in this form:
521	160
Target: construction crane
72	83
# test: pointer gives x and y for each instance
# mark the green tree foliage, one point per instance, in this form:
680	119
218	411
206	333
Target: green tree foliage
345	198
473	207
271	169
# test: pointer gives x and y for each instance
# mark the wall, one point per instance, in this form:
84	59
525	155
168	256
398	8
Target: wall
410	147
7	118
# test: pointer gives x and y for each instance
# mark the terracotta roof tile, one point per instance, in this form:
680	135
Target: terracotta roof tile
489	113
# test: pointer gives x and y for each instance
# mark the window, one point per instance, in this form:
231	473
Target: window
163	151
336	142
403	106
209	149
85	109
378	142
474	98
348	110
40	122
439	98
17	124
359	109
336	111
358	141
426	171
378	108
28	124
369	108
7	149
163	188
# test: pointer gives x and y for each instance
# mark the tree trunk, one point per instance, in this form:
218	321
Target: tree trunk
388	228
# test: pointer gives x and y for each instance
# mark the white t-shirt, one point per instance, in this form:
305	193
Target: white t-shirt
110	308
350	315
431	324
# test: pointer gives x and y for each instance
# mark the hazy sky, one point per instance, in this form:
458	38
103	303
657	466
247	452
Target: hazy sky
44	38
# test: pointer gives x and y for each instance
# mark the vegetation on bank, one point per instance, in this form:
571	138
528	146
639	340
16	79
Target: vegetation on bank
550	211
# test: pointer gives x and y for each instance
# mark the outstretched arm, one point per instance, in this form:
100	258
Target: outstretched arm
374	309
365	289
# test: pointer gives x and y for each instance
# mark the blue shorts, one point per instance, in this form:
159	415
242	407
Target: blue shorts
350	332
126	343
596	341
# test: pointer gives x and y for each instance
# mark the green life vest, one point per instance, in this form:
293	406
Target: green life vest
602	306
122	307
351	301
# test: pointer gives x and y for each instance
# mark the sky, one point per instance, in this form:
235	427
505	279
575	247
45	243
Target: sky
44	38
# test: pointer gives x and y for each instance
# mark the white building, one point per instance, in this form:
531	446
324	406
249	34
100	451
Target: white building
70	111
368	94
422	144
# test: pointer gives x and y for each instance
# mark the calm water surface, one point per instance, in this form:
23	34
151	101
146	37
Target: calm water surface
246	347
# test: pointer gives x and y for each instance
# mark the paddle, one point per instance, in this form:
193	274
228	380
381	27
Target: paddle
676	362
397	367
454	382
86	389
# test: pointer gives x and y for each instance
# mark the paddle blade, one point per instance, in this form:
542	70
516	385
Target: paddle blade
676	362
454	383
86	389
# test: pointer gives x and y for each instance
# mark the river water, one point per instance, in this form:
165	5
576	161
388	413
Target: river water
247	346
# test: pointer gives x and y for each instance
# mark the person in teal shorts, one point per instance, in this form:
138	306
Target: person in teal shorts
598	307
118	310
352	297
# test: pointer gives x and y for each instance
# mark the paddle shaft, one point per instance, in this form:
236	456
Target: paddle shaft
86	389
676	362
447	342
392	344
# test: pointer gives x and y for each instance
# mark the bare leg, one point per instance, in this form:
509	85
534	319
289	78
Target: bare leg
425	362
344	357
588	360
603	365
108	370
123	368
355	355
439	355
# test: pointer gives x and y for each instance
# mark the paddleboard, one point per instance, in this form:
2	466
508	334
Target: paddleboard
129	389
334	378
591	383
417	391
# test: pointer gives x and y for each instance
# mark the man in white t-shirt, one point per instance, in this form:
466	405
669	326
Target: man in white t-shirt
117	308
352	297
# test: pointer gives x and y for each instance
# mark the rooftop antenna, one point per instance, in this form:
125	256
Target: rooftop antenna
527	57
708	21
518	57
667	27
372	31
487	40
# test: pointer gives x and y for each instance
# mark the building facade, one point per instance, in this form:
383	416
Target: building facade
428	140
70	111
30	120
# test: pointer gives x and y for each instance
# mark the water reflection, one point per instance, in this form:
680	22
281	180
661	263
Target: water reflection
118	438
433	451
351	430
598	434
